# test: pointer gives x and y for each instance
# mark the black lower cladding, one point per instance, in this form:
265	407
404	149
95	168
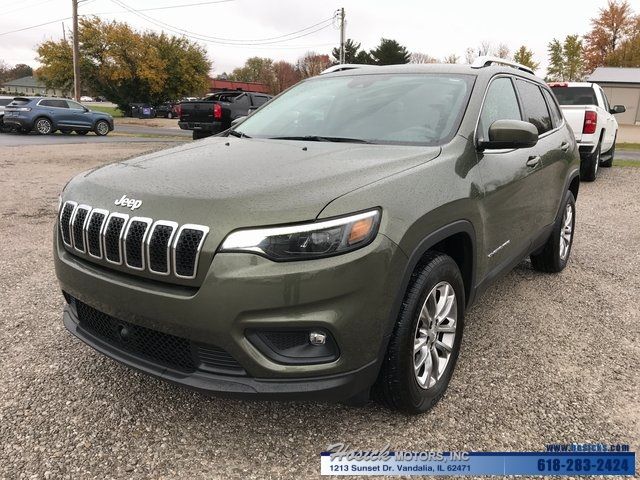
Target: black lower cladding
161	348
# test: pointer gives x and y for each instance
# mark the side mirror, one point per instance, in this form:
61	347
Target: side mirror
251	110
510	134
617	109
238	120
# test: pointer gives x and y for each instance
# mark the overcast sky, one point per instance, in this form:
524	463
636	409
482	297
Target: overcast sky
437	28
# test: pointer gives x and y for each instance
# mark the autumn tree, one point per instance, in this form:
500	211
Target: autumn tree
126	66
256	69
8	73
524	56
285	75
390	52
565	59
628	53
613	26
417	57
312	64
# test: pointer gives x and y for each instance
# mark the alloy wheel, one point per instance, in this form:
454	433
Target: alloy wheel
43	126
566	232
435	335
102	128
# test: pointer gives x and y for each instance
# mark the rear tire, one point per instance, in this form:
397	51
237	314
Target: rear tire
43	126
425	343
610	154
554	256
589	165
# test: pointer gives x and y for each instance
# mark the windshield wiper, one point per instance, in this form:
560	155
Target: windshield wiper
318	138
238	134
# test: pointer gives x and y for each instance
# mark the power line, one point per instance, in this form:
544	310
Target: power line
200	37
216	40
106	13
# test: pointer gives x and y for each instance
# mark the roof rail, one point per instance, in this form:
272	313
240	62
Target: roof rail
488	60
344	66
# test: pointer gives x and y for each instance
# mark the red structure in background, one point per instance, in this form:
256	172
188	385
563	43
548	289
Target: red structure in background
216	85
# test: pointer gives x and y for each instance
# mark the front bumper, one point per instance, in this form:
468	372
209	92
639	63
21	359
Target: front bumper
350	296
330	387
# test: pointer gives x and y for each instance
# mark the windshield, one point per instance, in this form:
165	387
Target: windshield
575	95
420	109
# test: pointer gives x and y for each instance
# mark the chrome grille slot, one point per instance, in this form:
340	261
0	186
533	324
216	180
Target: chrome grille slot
66	213
77	227
159	246
134	237
112	237
94	232
187	249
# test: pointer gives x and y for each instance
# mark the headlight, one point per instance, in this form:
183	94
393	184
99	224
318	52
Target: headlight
307	241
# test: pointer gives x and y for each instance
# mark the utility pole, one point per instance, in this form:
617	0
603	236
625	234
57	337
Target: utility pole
342	25
64	33
76	53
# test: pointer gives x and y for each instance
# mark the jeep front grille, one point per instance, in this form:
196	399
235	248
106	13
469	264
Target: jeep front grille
161	247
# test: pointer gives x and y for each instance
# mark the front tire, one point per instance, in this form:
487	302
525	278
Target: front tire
425	343
589	165
554	256
43	126
102	128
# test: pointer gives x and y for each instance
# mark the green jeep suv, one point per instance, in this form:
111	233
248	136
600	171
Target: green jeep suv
327	246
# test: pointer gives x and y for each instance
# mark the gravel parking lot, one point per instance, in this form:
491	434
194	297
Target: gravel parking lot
545	359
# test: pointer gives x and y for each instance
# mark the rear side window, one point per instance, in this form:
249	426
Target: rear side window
575	95
501	103
556	116
535	108
54	103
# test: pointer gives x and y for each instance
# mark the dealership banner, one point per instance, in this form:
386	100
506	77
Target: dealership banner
340	460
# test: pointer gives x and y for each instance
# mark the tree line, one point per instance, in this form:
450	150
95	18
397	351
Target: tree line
126	66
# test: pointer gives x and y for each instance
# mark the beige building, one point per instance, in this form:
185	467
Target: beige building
32	86
622	87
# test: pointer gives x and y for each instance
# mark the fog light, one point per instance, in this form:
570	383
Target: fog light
317	338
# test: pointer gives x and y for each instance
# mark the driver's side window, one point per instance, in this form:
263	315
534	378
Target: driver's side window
501	103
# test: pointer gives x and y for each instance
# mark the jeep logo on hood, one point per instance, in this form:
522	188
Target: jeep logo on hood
128	202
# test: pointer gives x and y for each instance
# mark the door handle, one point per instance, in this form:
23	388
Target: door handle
564	146
533	161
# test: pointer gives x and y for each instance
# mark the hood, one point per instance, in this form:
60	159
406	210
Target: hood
228	183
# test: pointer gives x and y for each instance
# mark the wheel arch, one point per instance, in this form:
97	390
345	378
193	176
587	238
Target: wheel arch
54	125
458	240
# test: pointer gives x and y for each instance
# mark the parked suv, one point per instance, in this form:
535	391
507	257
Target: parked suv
46	115
328	245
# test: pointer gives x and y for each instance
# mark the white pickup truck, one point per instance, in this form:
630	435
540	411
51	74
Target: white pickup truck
587	111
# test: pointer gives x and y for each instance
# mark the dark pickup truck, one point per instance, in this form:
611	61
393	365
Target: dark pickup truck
214	113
